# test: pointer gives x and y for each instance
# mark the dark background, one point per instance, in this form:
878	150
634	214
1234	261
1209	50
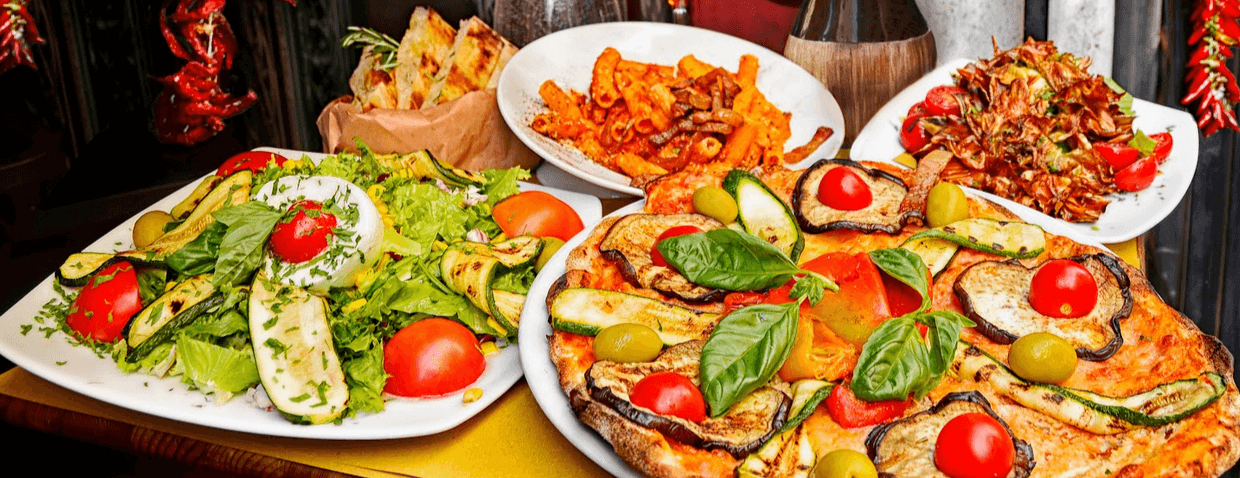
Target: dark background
77	156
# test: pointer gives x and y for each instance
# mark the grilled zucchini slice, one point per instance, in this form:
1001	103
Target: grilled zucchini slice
1018	240
233	190
585	311
178	307
763	214
424	165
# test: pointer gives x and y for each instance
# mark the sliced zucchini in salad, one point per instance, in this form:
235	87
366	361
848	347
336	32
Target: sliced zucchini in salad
512	253
178	307
423	165
293	349
187	205
232	191
1009	239
472	275
763	214
78	268
586	311
1092	412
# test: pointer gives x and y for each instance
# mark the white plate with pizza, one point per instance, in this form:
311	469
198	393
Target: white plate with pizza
54	358
567	58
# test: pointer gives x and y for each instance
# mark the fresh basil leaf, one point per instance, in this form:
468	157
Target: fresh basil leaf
199	256
811	287
944	332
894	362
744	352
1143	143
728	259
907	267
241	250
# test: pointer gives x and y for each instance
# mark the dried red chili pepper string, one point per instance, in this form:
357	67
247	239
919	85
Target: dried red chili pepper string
1210	84
192	107
17	35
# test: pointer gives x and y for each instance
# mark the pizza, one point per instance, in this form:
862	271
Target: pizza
852	317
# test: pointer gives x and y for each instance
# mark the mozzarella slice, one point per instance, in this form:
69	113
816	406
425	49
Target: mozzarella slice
358	238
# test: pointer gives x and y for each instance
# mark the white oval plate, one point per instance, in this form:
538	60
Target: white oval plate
568	57
544	382
78	369
1129	214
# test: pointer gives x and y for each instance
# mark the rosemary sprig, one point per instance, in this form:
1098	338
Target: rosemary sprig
382	45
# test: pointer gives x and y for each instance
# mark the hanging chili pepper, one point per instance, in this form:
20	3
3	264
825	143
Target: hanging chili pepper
17	35
1209	83
192	107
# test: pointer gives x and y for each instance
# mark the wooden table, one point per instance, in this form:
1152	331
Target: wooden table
513	434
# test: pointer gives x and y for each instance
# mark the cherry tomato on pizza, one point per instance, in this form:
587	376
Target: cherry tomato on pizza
669	393
252	160
432	357
974	445
107	302
1063	288
304	234
843	189
537	213
657	256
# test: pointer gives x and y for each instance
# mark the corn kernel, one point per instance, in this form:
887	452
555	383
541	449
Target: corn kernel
488	348
383	208
439	246
375	190
354	306
472	394
389	221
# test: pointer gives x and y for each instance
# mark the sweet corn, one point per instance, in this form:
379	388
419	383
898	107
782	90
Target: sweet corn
488	348
354	306
472	394
293	164
389	221
375	191
383	208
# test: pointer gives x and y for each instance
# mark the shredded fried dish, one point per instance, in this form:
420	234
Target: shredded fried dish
1027	134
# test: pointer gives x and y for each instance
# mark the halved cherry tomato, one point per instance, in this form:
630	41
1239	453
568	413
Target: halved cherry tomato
1118	155
432	357
252	160
917	110
1162	146
303	236
1063	288
1138	175
537	213
913	136
942	100
657	256
103	308
974	445
670	393
851	412
843	189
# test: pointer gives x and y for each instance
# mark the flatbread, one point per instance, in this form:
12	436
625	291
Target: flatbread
423	50
472	60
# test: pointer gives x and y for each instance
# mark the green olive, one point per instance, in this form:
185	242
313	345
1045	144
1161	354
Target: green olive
946	205
844	463
551	244
1042	357
149	227
714	202
627	343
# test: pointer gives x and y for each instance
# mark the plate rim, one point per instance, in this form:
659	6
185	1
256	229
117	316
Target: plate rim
869	142
828	149
506	364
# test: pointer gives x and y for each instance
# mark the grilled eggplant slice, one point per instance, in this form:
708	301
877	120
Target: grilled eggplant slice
747	425
905	448
883	214
996	296
1090	411
629	240
588	311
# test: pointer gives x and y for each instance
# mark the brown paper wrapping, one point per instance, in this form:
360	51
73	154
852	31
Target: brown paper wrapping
468	132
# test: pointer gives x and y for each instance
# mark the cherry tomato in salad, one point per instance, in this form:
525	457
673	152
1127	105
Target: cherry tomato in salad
1162	146
942	100
252	160
657	256
1138	175
913	136
1118	155
974	445
1063	288
851	412
432	357
107	302
843	189
670	393
537	213
303	236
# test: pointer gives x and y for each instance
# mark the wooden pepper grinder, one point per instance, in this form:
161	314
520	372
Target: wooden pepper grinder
864	51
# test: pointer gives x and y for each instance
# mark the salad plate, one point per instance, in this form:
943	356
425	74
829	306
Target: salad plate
567	57
1127	216
543	378
54	358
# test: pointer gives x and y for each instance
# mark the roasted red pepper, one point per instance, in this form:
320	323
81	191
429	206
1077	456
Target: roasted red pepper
851	412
